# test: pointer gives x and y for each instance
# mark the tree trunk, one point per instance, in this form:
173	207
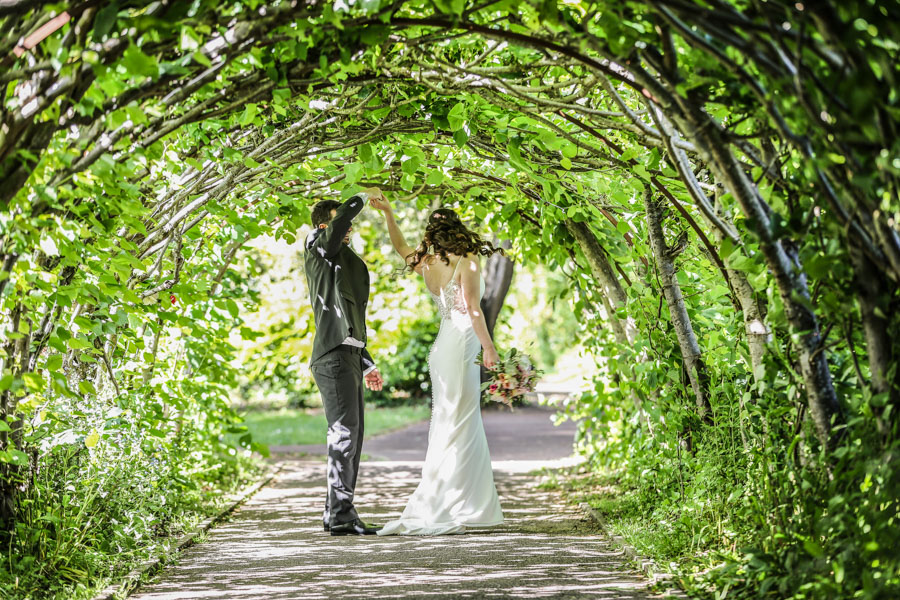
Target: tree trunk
614	297
14	357
780	255
687	340
721	226
754	308
873	293
598	260
498	273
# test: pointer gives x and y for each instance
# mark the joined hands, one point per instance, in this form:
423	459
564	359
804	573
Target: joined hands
378	201
374	192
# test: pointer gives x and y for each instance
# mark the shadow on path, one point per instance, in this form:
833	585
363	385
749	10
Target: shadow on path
274	547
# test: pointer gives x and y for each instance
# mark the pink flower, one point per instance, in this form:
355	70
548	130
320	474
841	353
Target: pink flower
493	388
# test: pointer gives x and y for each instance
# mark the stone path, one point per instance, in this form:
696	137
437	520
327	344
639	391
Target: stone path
274	548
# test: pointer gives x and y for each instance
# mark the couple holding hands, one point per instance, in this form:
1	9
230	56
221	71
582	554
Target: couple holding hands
457	487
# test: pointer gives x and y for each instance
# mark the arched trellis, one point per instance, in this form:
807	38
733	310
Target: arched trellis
149	124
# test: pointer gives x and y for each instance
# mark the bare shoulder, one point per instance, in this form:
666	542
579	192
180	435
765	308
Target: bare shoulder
474	259
470	263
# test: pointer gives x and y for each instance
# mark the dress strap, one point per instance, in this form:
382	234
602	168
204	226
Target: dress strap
456	268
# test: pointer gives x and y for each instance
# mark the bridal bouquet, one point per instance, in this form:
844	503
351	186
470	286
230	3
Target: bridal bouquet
512	376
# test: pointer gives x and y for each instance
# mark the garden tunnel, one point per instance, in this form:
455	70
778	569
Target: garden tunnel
717	179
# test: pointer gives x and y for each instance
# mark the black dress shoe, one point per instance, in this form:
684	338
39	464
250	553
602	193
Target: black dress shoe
327	527
355	527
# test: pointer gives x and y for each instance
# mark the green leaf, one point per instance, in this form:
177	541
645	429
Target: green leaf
15	457
374	34
460	137
86	387
138	63
136	114
54	362
249	113
202	59
813	547
353	171
78	344
33	382
261	448
628	154
365	152
411	164
104	21
435	178
4	426
457	116
91	440
641	171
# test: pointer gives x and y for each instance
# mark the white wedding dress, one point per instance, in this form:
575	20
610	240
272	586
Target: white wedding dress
457	489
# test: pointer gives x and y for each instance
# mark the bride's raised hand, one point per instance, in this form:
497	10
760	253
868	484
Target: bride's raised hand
380	203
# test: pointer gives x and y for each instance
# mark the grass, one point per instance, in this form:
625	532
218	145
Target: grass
81	551
655	531
290	427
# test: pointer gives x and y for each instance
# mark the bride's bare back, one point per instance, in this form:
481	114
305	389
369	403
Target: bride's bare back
438	274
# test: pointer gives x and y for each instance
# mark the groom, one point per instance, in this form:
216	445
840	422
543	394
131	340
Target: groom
338	283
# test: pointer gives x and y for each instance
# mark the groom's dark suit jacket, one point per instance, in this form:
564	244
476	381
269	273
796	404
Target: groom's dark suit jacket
338	282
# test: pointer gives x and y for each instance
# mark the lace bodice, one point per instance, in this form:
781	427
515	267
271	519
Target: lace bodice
450	299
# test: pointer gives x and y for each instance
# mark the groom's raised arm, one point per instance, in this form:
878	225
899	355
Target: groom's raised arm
330	239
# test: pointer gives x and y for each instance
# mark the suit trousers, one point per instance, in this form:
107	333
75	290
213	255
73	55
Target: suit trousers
338	374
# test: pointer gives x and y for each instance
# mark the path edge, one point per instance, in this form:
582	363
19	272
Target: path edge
646	565
130	582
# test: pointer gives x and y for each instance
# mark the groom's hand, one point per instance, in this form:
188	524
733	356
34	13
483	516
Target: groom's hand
373	192
374	381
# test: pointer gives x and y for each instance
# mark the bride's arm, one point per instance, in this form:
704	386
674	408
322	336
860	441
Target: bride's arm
397	239
470	279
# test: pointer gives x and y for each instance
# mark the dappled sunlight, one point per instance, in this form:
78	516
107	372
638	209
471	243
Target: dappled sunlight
274	547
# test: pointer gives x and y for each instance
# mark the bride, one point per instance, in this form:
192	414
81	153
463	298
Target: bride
457	489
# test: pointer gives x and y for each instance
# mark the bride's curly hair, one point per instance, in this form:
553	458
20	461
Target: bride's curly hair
446	234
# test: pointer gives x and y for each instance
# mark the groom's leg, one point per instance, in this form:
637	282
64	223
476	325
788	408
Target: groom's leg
337	375
362	419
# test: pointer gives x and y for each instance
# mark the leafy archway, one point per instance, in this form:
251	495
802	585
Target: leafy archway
719	178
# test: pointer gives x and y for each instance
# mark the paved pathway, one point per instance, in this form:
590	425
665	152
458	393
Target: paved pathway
274	548
525	433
